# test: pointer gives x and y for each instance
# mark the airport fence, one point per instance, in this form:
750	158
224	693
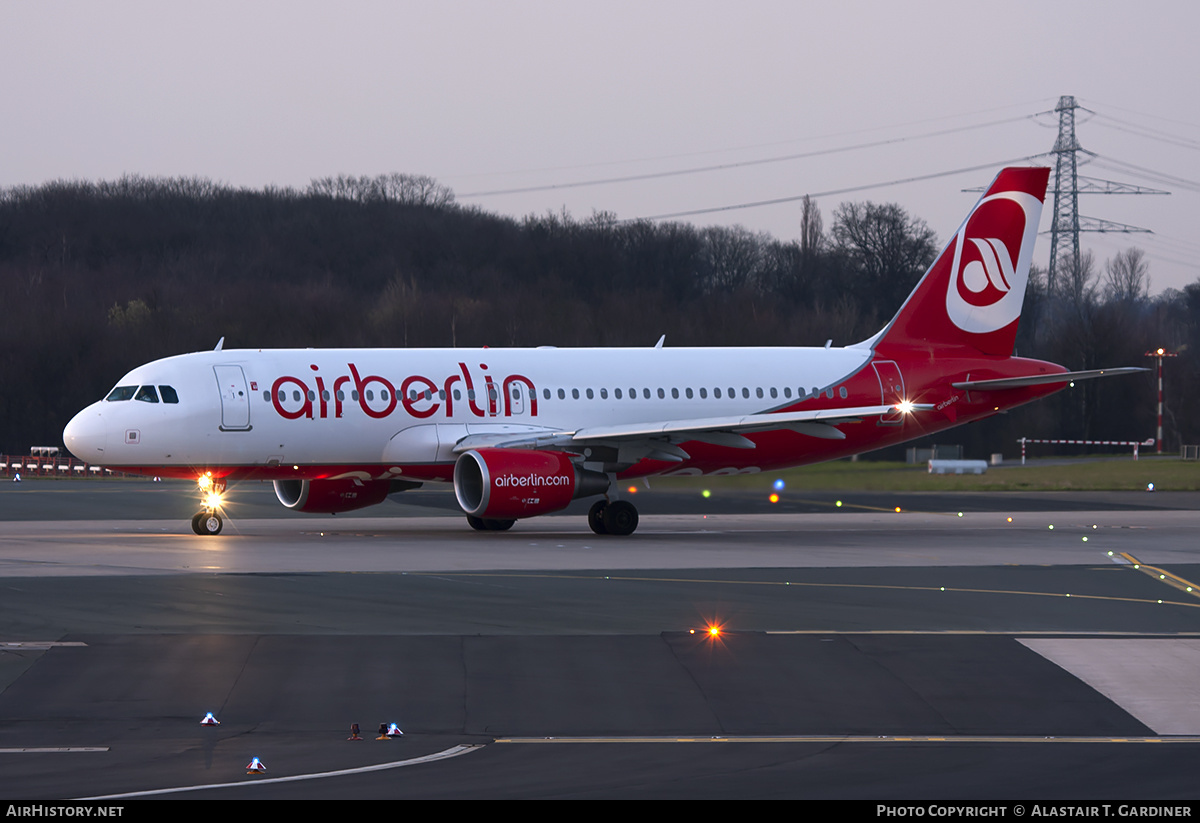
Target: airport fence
50	465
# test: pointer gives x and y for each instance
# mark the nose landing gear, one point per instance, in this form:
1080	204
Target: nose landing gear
207	522
208	519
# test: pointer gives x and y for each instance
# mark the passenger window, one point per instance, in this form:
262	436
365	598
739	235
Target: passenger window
617	393
562	395
604	394
146	394
266	396
633	394
646	393
545	394
574	394
787	392
703	393
758	392
121	393
717	392
746	392
169	395
661	395
590	396
675	394
842	392
688	392
774	392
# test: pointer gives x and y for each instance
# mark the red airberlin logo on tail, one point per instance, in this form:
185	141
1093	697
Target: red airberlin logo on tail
991	262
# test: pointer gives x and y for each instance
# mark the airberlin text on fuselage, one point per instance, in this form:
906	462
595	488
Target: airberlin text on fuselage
420	396
512	481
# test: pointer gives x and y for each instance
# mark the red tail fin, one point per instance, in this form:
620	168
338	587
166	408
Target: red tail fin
972	294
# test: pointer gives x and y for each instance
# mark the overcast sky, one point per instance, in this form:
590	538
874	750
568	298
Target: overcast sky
494	96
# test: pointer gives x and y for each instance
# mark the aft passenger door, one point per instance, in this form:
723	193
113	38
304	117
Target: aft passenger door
891	389
235	402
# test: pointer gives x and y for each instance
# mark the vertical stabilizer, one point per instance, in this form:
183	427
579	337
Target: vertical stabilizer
972	294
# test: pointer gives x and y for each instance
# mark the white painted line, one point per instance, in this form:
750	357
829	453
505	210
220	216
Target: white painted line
453	751
1152	678
52	749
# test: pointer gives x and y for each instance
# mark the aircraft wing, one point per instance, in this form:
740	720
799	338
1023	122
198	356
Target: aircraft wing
719	431
1041	379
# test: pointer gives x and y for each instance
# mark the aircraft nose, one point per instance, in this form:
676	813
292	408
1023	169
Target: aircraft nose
86	436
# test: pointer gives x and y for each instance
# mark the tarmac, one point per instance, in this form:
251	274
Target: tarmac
862	652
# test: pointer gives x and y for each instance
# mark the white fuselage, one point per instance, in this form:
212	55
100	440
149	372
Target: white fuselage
378	407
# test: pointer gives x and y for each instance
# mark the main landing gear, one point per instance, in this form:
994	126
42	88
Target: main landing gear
618	517
208	519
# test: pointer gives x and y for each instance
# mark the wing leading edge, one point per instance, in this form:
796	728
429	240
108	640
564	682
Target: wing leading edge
719	431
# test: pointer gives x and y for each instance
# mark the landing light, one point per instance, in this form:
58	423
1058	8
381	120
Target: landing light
204	481
212	500
904	407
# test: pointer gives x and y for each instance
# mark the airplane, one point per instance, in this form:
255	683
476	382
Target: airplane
523	432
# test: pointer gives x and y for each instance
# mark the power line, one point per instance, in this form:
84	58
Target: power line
825	136
743	163
832	192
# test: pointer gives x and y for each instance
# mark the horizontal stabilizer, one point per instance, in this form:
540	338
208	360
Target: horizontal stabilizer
1041	379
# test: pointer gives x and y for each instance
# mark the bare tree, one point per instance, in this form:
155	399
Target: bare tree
886	249
1127	276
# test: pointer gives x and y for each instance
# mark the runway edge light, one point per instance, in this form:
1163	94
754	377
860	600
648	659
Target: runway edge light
209	720
255	766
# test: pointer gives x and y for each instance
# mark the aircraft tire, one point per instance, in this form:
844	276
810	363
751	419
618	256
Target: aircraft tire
498	525
196	522
210	524
477	523
596	517
620	518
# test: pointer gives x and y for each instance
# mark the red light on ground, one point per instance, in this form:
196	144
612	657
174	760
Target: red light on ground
632	490
774	498
714	631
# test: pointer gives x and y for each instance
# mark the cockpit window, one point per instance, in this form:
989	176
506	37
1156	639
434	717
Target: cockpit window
121	393
146	394
168	394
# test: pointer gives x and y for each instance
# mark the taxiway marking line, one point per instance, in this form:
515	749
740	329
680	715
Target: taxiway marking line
453	751
861	738
1170	578
802	584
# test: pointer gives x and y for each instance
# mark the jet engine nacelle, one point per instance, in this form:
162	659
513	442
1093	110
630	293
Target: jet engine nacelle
331	496
506	484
